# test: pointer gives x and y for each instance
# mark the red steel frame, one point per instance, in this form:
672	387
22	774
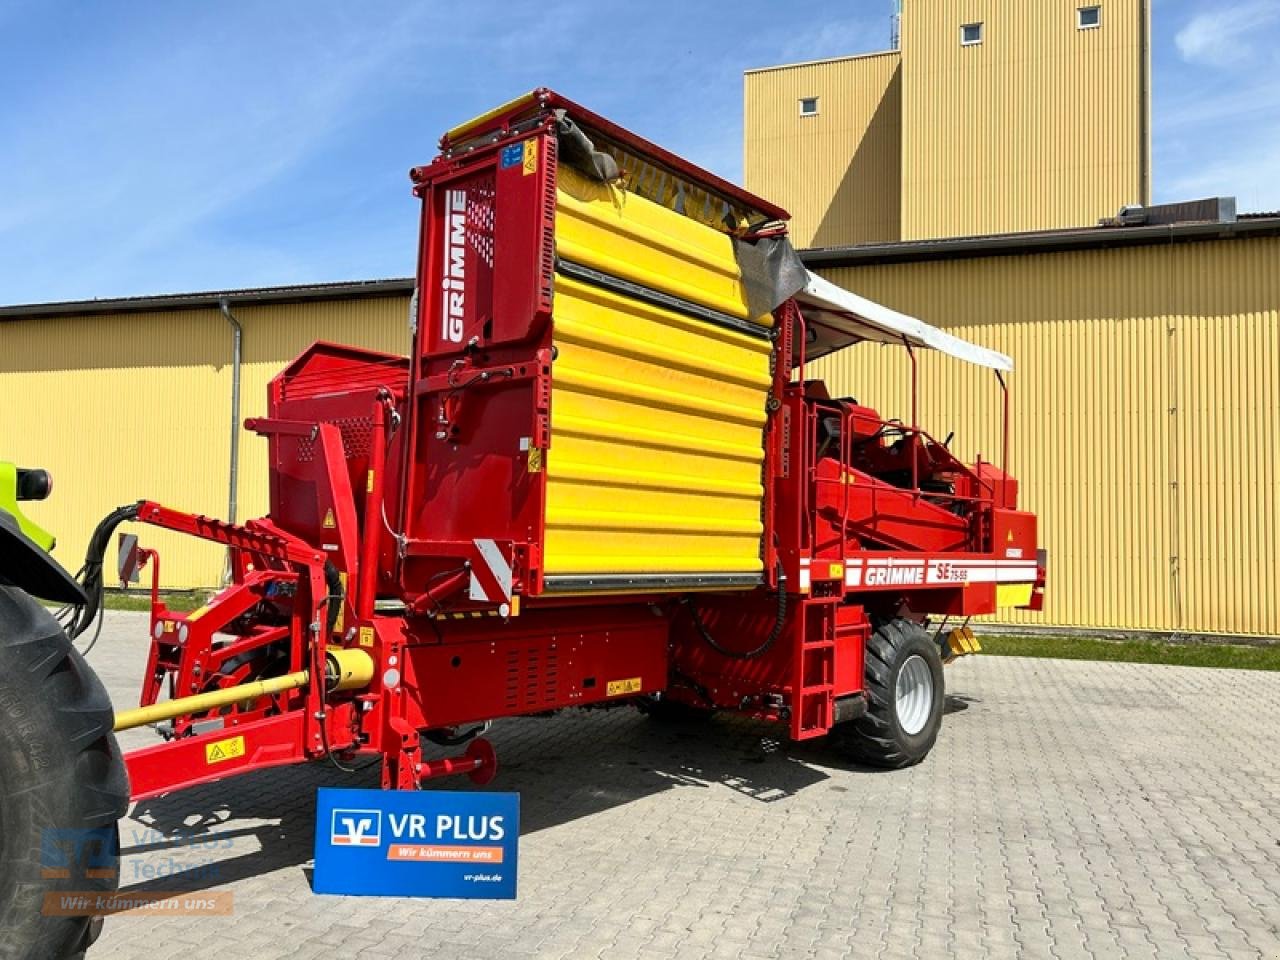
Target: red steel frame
396	480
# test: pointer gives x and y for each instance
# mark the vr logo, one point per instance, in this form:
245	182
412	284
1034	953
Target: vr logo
357	828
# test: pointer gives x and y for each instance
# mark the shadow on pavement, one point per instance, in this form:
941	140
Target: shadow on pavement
572	765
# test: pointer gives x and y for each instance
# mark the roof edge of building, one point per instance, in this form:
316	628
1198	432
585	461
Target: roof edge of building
296	293
817	63
955	248
1046	241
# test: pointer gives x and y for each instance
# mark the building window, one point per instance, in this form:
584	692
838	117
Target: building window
808	106
970	34
1088	17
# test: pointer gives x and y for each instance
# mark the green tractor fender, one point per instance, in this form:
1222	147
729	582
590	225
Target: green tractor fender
25	560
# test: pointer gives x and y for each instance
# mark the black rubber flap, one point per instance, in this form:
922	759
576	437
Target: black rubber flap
577	150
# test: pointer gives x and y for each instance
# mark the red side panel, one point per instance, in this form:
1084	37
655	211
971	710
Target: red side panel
480	412
488	248
481	668
335	385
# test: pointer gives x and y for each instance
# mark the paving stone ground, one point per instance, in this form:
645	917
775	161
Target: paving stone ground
1070	810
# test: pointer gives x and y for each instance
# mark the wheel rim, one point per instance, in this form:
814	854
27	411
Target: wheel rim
914	696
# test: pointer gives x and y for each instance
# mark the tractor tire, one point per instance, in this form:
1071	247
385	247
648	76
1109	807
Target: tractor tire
63	785
905	695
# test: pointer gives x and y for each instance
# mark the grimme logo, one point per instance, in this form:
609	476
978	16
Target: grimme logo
453	280
356	828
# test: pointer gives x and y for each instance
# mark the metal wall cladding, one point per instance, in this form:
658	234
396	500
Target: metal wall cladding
838	173
138	405
1041	125
1145	418
1145	425
657	418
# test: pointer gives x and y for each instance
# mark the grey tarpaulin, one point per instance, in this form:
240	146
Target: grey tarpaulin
771	270
577	150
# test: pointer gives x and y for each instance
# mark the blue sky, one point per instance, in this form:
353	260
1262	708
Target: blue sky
152	147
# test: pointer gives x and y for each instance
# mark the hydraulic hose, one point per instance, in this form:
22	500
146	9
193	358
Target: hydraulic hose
768	641
90	575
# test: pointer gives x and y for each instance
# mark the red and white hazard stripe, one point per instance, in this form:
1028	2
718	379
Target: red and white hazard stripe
490	573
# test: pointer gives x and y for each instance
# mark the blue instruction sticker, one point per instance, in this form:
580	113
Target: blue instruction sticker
512	155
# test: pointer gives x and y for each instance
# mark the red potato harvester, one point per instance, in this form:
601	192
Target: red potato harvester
601	476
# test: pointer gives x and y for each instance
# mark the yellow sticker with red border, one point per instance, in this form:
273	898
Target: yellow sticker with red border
616	688
231	748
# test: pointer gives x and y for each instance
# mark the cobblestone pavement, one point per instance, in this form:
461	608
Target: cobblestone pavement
1069	810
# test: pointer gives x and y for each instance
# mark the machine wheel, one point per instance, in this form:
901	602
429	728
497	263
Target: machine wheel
905	694
63	785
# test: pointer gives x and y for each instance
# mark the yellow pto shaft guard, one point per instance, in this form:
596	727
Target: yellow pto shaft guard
345	669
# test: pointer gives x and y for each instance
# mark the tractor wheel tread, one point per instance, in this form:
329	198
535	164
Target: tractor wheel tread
60	769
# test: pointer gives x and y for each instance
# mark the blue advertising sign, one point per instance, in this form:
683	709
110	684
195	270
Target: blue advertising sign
417	843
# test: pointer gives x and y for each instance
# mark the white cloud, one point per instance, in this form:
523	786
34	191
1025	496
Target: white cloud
1223	36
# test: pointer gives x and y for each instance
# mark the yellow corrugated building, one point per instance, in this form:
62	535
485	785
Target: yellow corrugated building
837	166
1146	403
131	399
1146	400
962	178
1145	409
994	116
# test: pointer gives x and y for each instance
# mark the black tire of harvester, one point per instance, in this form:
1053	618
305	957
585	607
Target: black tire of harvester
877	738
60	770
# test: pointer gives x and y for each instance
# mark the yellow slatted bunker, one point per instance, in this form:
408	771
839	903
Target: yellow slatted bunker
657	418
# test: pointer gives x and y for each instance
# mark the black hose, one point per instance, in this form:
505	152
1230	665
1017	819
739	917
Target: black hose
333	581
90	575
768	641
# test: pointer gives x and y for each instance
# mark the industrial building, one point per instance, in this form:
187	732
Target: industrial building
974	176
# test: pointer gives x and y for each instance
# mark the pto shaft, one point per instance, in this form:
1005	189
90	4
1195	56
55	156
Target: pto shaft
346	669
128	719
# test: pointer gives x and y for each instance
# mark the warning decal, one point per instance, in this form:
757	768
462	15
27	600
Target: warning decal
616	688
221	750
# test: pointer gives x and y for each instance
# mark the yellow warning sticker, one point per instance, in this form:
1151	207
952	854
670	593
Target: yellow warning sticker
366	636
530	156
368	485
228	749
835	571
328	519
535	460
616	688
1009	539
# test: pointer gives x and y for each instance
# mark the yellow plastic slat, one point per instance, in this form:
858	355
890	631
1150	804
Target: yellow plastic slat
626	476
657	423
601	226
